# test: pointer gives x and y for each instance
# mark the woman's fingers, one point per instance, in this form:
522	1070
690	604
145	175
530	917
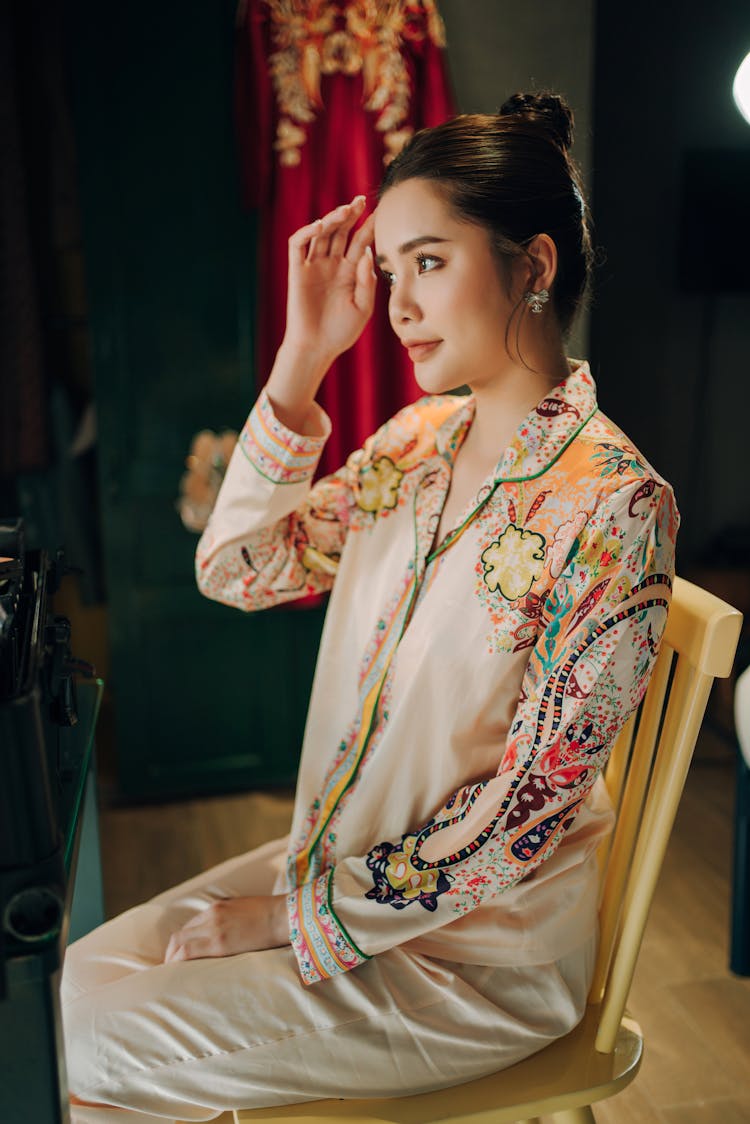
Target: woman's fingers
195	939
185	948
172	950
361	239
327	236
340	235
299	242
333	228
365	282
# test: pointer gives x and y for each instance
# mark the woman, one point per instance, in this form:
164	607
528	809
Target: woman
500	567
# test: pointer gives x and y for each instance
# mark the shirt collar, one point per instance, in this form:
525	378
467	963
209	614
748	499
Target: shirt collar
543	433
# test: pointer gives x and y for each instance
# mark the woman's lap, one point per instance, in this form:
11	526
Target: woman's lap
190	1039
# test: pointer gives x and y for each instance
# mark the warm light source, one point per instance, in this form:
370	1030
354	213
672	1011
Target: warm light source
741	88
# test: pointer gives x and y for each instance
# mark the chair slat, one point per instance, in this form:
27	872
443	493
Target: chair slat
617	768
615	773
629	818
704	628
687	704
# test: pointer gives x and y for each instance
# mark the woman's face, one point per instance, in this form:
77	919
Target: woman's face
447	302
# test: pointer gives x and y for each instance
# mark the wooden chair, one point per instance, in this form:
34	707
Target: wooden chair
645	778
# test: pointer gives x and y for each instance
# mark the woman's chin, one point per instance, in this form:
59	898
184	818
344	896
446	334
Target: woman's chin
432	382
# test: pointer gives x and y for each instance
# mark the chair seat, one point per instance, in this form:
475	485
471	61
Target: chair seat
565	1075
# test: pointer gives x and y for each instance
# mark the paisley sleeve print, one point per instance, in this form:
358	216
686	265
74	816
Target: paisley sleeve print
601	628
271	538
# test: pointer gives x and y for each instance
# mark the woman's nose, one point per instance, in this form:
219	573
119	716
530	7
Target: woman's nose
402	307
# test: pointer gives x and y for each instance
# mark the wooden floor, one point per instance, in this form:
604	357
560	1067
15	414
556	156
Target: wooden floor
694	1013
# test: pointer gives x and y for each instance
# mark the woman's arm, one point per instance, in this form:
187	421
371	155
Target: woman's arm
587	672
269	539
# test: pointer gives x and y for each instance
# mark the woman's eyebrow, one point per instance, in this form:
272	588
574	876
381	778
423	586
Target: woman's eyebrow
422	240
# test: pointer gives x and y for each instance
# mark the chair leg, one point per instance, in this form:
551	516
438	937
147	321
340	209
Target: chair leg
582	1115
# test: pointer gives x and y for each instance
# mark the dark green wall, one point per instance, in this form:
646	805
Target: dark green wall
206	698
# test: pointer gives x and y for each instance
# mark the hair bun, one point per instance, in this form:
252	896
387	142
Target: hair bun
546	109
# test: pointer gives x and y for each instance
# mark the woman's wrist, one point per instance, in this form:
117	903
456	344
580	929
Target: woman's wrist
292	385
279	921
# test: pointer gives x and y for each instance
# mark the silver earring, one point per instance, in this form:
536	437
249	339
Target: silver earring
536	301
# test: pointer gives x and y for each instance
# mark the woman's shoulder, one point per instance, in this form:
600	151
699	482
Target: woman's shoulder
620	481
612	454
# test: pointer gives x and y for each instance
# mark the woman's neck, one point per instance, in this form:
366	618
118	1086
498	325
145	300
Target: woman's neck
501	405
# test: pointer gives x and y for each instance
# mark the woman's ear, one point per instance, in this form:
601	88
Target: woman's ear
543	265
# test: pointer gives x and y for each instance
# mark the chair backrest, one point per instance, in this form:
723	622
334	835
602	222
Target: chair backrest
645	777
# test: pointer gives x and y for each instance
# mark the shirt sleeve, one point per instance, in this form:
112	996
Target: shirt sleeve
601	630
272	537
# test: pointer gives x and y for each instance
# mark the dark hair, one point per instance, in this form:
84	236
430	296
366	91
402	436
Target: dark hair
511	173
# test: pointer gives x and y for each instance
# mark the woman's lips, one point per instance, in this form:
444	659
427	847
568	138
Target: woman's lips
419	351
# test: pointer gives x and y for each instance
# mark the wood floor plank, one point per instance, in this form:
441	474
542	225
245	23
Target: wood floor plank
147	849
677	1063
708	1112
631	1106
720	1009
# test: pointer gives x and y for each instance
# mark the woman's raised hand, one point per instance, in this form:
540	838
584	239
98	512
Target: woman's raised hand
330	299
331	282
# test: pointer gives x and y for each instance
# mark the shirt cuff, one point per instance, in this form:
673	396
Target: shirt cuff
279	454
321	944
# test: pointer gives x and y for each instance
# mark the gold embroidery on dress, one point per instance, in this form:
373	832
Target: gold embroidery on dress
317	37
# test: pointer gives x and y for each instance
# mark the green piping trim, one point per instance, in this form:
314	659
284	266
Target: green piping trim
342	927
509	480
558	454
270	479
355	771
457	531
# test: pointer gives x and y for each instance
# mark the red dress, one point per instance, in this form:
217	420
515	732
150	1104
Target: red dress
327	92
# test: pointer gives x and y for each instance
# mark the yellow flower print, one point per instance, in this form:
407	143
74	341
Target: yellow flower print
514	562
404	877
397	882
318	562
378	485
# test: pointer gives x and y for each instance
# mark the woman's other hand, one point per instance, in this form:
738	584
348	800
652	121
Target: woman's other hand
330	298
230	926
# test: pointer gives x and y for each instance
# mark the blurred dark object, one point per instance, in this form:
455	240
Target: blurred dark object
715	231
37	699
47	810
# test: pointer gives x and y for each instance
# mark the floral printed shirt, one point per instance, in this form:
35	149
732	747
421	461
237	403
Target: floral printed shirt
467	692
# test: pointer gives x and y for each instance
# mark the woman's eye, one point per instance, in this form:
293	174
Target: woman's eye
426	263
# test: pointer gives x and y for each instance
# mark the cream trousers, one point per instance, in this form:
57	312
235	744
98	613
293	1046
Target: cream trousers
148	1041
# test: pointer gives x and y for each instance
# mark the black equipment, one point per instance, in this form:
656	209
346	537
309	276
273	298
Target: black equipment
37	700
